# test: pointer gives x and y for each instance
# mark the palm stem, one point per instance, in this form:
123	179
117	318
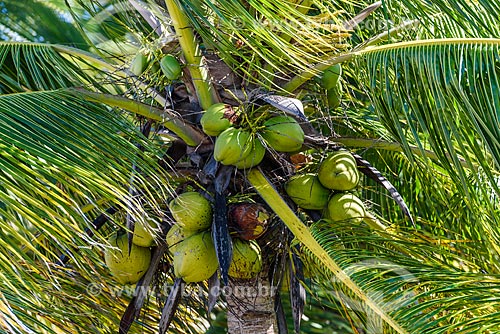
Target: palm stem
174	123
192	54
391	146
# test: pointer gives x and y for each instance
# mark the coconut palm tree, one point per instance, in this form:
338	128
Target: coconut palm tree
91	146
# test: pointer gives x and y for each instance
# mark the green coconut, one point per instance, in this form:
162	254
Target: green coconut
139	64
307	192
176	235
170	67
144	236
247	259
254	157
331	76
191	211
217	118
345	207
126	267
194	258
283	134
232	146
334	96
339	171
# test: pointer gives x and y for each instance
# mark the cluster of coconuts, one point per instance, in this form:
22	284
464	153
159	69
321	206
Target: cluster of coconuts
168	64
244	148
329	189
189	240
191	245
128	265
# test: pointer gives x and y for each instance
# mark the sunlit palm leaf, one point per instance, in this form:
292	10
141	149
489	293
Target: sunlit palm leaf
65	160
112	27
259	38
60	153
421	292
32	66
100	155
451	18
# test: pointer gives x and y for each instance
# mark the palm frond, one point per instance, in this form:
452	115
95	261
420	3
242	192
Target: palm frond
61	30
64	161
37	67
450	107
304	236
119	29
102	156
450	18
409	278
258	38
444	116
34	66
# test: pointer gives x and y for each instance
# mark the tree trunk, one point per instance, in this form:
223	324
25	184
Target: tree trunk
251	307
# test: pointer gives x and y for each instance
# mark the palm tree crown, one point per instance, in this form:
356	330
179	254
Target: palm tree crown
99	133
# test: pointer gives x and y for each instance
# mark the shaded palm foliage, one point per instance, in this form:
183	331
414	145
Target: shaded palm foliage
22	21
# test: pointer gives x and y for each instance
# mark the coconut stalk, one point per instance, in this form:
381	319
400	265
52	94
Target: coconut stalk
192	54
189	134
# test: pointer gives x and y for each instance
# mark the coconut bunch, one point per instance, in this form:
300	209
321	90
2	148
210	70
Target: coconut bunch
190	242
241	140
191	245
244	145
149	65
330	189
126	261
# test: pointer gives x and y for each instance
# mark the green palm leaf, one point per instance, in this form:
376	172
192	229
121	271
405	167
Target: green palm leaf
451	18
421	292
33	66
44	209
448	106
61	30
84	165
